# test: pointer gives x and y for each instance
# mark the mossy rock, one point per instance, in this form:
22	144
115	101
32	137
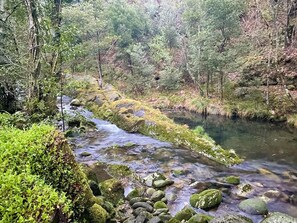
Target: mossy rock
185	214
155	124
160	205
200	218
277	217
118	170
254	206
230	218
235	180
137	192
112	190
174	220
97	214
206	199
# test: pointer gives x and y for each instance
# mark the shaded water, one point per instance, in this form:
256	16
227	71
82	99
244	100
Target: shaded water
250	139
274	181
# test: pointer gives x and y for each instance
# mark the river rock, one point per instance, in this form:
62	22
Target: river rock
230	218
157	196
155	219
142	217
137	211
200	218
75	102
137	199
185	214
162	183
130	220
235	180
134	193
160	205
165	217
112	190
145	205
85	154
244	190
206	199
149	180
150	191
160	211
254	206
277	217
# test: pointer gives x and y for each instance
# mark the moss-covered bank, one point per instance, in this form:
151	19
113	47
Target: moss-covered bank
40	180
134	116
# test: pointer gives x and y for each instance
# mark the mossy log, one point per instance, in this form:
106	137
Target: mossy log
133	116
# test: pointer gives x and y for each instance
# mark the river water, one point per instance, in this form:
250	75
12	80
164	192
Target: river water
270	167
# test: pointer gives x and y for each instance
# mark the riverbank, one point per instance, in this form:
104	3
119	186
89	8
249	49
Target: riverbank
189	99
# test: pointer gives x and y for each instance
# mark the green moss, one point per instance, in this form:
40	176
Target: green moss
232	180
200	218
134	193
206	199
26	198
174	220
97	214
112	190
43	152
185	214
153	123
118	170
160	205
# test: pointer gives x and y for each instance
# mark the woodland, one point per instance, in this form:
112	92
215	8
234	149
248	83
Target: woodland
127	61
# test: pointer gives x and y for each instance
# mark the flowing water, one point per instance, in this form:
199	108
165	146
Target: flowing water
270	166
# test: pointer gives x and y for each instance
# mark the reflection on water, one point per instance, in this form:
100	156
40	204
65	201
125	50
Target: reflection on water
250	139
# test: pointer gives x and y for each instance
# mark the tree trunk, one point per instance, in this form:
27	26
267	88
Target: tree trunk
221	85
130	64
100	76
99	65
56	19
34	47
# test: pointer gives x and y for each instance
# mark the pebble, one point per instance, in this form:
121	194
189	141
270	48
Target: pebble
155	220
157	196
145	205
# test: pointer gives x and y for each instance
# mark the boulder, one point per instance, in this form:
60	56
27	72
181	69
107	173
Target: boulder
254	206
277	217
206	199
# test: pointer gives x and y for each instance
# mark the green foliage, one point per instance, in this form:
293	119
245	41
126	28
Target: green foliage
128	22
26	198
42	152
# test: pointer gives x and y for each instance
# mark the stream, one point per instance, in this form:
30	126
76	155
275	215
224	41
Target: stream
270	165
